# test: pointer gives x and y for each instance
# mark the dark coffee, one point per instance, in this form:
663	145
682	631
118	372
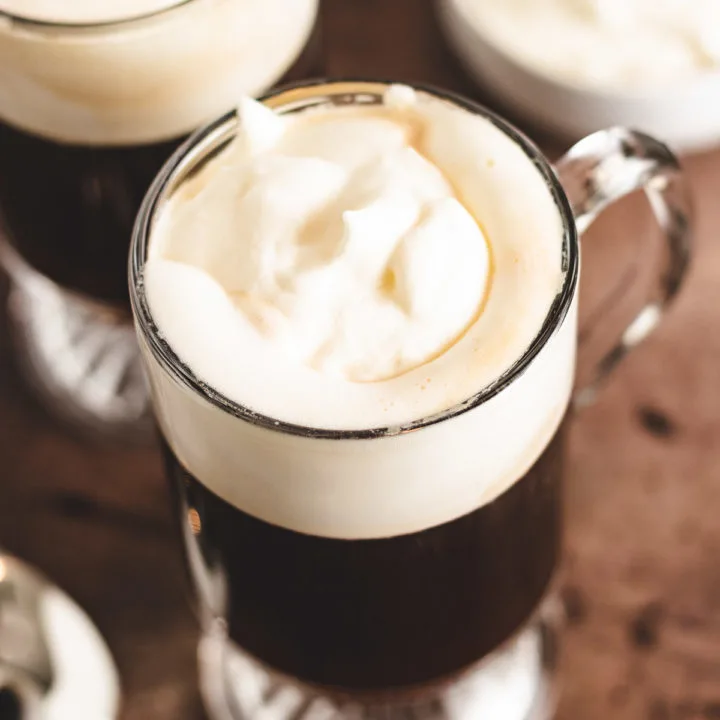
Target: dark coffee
371	615
69	209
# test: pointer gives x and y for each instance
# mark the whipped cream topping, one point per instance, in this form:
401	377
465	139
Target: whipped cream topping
357	267
147	81
83	11
627	44
235	324
339	244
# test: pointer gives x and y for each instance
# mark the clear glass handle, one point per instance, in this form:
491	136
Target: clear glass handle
603	168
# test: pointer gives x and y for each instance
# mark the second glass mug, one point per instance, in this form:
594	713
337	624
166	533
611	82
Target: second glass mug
89	112
451	621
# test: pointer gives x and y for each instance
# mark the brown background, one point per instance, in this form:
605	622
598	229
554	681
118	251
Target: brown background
642	579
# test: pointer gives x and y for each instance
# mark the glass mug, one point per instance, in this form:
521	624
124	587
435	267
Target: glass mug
89	112
452	621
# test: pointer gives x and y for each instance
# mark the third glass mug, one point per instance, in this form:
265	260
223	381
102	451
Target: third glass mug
316	605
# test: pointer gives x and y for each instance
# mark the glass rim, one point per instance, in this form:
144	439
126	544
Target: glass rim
34	23
214	136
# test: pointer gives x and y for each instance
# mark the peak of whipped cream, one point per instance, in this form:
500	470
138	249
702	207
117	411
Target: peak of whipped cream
336	240
356	266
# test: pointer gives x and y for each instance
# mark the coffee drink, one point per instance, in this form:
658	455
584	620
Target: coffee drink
94	97
360	398
80	149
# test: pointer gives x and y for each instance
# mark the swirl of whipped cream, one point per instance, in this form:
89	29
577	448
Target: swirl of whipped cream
356	266
336	239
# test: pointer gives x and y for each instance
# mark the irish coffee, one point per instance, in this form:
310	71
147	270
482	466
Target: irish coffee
345	324
356	304
96	96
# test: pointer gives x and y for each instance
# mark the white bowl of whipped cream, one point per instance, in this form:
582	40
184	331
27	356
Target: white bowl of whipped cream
575	66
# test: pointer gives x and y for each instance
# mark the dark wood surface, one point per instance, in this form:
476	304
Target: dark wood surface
642	575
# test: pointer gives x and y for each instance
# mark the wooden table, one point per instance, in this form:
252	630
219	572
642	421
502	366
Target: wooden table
642	580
